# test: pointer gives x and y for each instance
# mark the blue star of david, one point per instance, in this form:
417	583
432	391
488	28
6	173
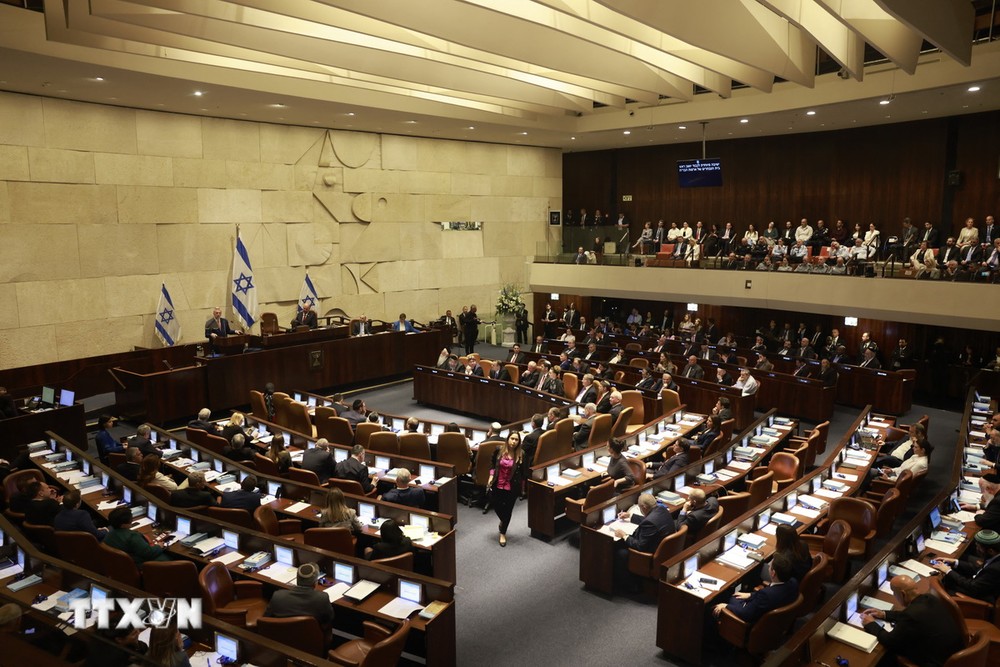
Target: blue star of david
311	301
244	283
166	315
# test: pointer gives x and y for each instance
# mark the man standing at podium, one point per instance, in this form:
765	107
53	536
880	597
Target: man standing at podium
306	317
217	326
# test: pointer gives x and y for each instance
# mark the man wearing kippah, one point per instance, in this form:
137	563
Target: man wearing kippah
303	599
972	579
988	509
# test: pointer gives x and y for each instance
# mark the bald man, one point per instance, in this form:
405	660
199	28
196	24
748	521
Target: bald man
924	631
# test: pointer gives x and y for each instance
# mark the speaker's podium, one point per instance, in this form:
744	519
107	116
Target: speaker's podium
160	396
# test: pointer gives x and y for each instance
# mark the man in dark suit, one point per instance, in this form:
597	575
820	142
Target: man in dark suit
303	599
204	422
678	460
723	377
667	382
217	326
782	591
978	581
990	231
239	449
840	356
499	372
473	368
763	363
722	410
924	631
529	378
647	381
827	375
362	327
870	360
970	257
320	460
71	517
805	350
584	424
802	369
403	493
357	414
246	498
306	317
989	518
130	469
697	510
949	251
353	467
449	322
516	356
654	523
615	406
693	371
195	494
539	346
521	326
530	442
142	442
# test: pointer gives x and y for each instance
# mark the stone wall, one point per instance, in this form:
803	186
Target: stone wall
100	204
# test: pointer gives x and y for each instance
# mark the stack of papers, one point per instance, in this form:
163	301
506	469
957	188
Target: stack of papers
827	493
741	465
297	507
108	504
725	475
229	558
736	557
280	572
918	567
964	516
400	608
10	571
804	511
855	637
626	527
428	540
942	546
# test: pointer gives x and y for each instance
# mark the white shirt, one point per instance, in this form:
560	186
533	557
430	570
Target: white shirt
750	387
915	464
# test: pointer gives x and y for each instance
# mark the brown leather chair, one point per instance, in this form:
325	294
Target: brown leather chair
302	632
215	443
363	433
302	476
514	371
384	442
42	536
632	398
735	504
299	419
337	540
576	508
647	565
977	652
10	488
281	402
835	545
620	426
257	406
351	487
380	647
726	428
879	487
265	465
786	468
600	430
619	376
887	512
638	467
487	366
638	362
119	566
547	448
267	521
564	437
158	492
238	603
233	515
400	562
670	400
453	449
765	635
710	527
269	324
571	385
81	549
323	412
811	586
415	446
715	446
863	518
195	435
335	429
171	579
760	489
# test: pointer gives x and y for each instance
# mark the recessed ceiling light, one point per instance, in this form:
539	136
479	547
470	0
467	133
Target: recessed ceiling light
627	132
744	120
98	78
682	127
277	105
973	89
523	134
405	122
810	113
572	138
349	113
471	127
883	102
198	93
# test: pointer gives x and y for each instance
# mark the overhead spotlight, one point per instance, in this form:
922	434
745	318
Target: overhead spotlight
198	93
682	127
810	113
744	121
627	132
887	100
973	89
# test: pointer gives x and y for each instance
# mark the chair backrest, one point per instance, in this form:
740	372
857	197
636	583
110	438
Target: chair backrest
323	411
302	476
41	535
351	486
302	632
453	448
160	492
632	398
669	546
571	385
196	435
388	651
624	417
823	431
216	586
633	347
766	634
338	540
859	513
888	510
269	324
904	484
400	562
257	406
265	520
513	371
599	493
265	465
487	366
953	609
564	436
836	544
670	399
760	488
619	376
735	504
976	654
600	430
385	442
363	433
172	579
638	362
335	429
484	460
638	470
717	443
546	450
298	418
415	445
811	585
727	428
215	443
281	402
10	482
80	548
120	566
709	526
785	466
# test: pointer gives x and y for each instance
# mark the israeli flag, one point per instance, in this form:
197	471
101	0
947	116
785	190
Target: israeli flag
307	295
168	327
244	290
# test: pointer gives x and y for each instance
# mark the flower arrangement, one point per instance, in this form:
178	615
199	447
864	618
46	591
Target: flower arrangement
509	302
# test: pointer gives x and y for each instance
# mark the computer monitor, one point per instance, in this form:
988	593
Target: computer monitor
273	488
552	472
588	460
340	454
729	541
437	429
366	511
219	466
311	401
153	436
85	467
426	473
791	500
227	647
310	444
105	479
48	395
709	467
851	605
760	428
382	462
412	591
231	538
763	519
679	481
21	558
883	572
98	594
919	542
298	397
284	555
935	517
746	441
420	521
608	514
127	495
66	397
173	444
816	485
194	455
183	526
151	512
343	573
396	424
690	566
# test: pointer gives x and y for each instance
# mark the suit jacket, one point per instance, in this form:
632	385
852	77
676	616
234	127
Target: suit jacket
411	495
516	358
976	256
554	386
990	233
765	365
360	327
302	318
529	379
128	470
145	446
189	497
695	520
222	329
301	601
589	395
675	462
648	383
320	462
693	371
651	530
582	433
874	363
981	583
924	632
500	374
764	600
604	405
77	519
990	519
805	352
828	377
351	468
477	370
539	348
530	444
208	427
406	326
948	253
42	512
134	545
244	500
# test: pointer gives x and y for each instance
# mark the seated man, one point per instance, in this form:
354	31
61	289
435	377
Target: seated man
357	414
584	424
204	422
353	467
654	523
782	590
239	449
362	327
980	581
142	441
747	383
44	504
195	494
71	517
723	377
320	460
303	600
680	458
924	631
124	538
924	262
306	317
402	324
247	498
798	253
697	510
404	494
130	469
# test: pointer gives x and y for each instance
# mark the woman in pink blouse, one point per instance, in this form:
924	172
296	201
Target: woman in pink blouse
506	478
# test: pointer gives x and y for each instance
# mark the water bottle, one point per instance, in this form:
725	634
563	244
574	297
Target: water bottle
199	351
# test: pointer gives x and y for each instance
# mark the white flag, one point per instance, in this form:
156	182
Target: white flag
168	327
308	295
244	290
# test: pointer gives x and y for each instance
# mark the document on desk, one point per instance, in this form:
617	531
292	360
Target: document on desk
699	581
963	515
336	591
49	602
400	608
942	546
736	557
852	636
297	507
977	434
827	493
626	527
141	523
686	490
228	486
212	475
108	504
280	572
561	481
266	439
918	567
71	476
803	511
770	529
428	540
297	455
182	462
229	558
725	474
969	497
845	477
741	465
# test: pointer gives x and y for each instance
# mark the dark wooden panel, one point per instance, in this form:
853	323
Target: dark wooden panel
978	159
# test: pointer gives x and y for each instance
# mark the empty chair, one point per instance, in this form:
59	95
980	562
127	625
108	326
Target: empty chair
547	448
379	646
484	461
337	540
903	484
576	508
564	436
215	443
632	398
302	476
400	562
41	536
862	517
351	486
238	603
364	431
647	565
257	406
269	324
233	515
281	402
786	468
735	504
171	579
267	521
385	442
727	428
453	449
119	566
302	632
887	512
810	587
760	489
415	446
81	549
670	399
323	412
335	429
834	544
600	430
513	371
638	362
571	385
299	419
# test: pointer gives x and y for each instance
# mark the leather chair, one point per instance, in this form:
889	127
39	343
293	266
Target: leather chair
337	540
903	484
735	504
215	443
710	527
638	362
638	467
281	402
647	565
195	435
620	426
384	442
401	562
299	419
234	515
863	518
887	512
379	647
571	385
760	488
10	488
715	446
619	376
351	487
335	429
302	632
484	461
269	324
600	430
547	448
302	476
975	654
633	347
786	468
765	635
670	399
803	450
265	465
811	586
487	366
158	492
415	446
514	371
257	406
726	428
81	549
564	436
119	566
453	449
632	398
267	521
835	544
576	508
238	603
42	536
363	433
172	579
321	412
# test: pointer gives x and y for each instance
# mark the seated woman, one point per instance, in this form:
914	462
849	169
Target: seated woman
789	543
235	425
277	453
149	474
619	469
106	443
393	542
336	514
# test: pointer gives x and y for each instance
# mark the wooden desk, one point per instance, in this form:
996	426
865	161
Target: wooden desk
16	432
160	396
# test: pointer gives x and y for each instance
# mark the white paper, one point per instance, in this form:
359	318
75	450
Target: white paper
827	493
770	529
845	477
963	515
140	523
228	486
107	504
280	572
713	585
229	558
336	591
943	547
741	465
736	557
725	475
428	540
10	571
802	511
400	608
918	567
49	602
561	481
297	507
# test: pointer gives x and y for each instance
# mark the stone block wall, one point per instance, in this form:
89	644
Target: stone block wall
100	204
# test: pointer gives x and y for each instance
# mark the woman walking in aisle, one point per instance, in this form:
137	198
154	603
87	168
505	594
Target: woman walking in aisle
506	478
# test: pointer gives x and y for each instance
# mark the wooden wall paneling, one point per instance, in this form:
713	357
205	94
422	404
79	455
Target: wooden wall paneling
978	159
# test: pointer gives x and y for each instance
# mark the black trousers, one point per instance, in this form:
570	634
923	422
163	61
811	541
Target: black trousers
503	505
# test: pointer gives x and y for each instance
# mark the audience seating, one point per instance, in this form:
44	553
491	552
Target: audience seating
735	504
363	433
81	549
620	426
351	486
238	603
336	430
157	491
400	562
281	402
257	406
632	399
415	446
484	461
171	579
564	437
337	540
835	544
546	450
380	647
119	566
453	449
267	522
41	535
571	385
302	632
887	512
810	588
710	526
786	468
759	488
385	442
646	565
764	635
600	430
879	487
597	494
670	400
265	465
233	515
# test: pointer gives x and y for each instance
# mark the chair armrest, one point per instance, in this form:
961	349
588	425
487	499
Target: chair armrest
375	633
286	526
881	485
971	607
245	588
732	628
639	562
335	658
759	471
237	617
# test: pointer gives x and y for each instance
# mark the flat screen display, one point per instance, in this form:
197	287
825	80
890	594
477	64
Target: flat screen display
705	173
